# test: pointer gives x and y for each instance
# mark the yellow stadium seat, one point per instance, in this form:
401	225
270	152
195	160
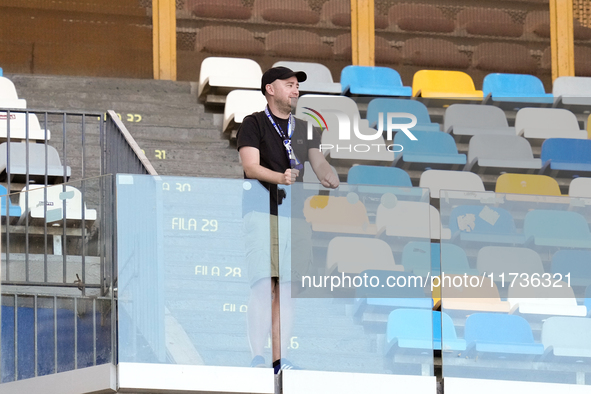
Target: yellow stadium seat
527	184
444	84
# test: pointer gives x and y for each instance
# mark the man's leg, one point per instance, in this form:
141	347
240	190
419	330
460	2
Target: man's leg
258	318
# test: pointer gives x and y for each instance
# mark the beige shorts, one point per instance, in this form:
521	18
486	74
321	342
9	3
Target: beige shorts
271	239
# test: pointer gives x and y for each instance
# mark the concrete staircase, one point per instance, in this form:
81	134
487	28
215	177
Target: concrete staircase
178	135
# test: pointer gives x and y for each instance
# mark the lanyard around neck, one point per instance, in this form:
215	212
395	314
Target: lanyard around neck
290	125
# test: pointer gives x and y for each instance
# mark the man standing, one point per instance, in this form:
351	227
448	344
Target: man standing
273	147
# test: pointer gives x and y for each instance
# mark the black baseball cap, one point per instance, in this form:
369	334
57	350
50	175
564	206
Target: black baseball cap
280	73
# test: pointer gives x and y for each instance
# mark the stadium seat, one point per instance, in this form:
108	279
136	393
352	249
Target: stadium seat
544	123
574	265
13	210
385	105
293	11
588	298
500	153
373	81
56	195
419	258
435	52
474	119
222	9
488	22
296	44
228	74
338	12
239	104
376	175
444	84
18	127
538	23
384	52
503	260
432	149
330	107
409	219
437	180
337	215
1	72
504	57
557	228
8	96
580	187
319	78
555	300
458	300
567	337
515	88
421	329
228	40
527	184
493	333
565	154
18	165
419	17
353	255
484	224
572	90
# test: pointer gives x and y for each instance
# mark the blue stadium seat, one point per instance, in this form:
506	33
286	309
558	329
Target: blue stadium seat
588	298
516	88
376	175
557	228
432	149
477	223
500	334
577	263
13	210
421	329
373	81
417	259
566	154
385	105
1	72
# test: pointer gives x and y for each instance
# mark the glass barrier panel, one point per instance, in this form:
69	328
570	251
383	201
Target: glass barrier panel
186	264
514	279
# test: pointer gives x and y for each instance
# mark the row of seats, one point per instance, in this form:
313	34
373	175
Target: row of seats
21	126
235	73
410	17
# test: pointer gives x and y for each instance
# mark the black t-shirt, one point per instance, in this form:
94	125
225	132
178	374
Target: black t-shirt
258	132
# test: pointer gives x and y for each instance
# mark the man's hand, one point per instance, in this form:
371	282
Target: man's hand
330	180
289	176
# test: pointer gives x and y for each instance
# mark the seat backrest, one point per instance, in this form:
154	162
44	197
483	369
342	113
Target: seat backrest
335	211
474	115
566	150
512	85
437	180
471	219
385	105
580	187
416	257
231	68
406	218
411	324
454	260
316	72
7	89
498	328
499	147
527	184
508	259
354	255
559	225
375	175
428	142
442	81
561	332
557	119
55	197
240	103
370	76
36	156
574	263
572	87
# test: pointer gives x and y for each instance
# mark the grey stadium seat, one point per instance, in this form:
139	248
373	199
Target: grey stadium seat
18	164
544	123
508	153
319	77
573	90
475	119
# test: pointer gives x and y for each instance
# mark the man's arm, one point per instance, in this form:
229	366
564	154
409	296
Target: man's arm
322	169
253	169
